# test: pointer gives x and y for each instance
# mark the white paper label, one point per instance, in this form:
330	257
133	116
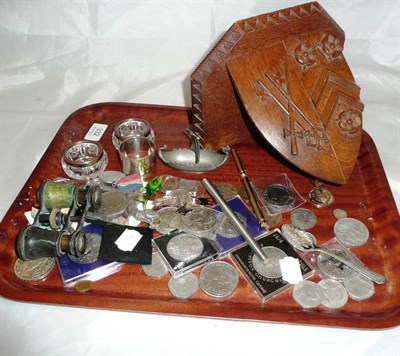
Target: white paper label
128	240
31	215
95	132
291	271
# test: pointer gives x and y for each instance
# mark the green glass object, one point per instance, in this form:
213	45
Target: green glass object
155	185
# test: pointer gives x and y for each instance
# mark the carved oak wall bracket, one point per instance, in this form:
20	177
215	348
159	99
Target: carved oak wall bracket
292	79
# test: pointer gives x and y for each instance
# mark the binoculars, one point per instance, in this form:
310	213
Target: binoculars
54	233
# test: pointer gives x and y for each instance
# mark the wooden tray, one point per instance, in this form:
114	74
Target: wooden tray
366	196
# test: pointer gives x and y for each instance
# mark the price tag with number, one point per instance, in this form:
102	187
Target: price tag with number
95	132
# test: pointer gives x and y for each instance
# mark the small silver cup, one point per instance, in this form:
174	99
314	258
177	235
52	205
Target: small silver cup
138	155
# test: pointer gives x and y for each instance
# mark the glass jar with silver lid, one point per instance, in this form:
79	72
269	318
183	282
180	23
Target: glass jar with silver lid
130	128
84	160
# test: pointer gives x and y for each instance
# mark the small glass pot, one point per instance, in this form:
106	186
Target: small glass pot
131	128
84	160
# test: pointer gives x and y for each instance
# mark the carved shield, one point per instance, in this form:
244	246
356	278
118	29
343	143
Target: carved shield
302	97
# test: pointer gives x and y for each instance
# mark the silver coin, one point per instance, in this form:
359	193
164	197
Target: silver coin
219	279
308	294
182	197
34	270
184	247
169	182
93	242
167	213
335	294
351	232
112	204
226	229
169	220
187	184
199	219
147	215
184	286
157	268
339	214
332	268
111	177
273	268
303	218
359	287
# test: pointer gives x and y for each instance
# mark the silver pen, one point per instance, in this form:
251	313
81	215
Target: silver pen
238	225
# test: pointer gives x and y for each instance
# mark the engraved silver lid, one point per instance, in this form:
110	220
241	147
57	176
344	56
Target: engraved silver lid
131	127
83	153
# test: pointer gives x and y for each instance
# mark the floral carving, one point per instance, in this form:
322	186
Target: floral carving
332	46
305	54
349	122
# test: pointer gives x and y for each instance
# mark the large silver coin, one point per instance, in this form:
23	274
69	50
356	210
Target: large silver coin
219	279
184	286
184	247
226	229
359	287
335	294
93	242
112	204
169	220
308	294
199	220
157	268
34	270
303	218
273	268
351	232
332	268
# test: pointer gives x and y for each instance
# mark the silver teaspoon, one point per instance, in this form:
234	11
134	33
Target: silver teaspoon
306	242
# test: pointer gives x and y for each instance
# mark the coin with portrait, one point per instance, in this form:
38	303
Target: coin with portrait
184	247
278	194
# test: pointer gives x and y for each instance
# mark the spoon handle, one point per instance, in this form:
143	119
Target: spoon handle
373	276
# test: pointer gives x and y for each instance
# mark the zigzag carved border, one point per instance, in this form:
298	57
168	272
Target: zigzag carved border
235	33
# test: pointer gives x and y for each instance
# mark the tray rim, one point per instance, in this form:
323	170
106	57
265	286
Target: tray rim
38	295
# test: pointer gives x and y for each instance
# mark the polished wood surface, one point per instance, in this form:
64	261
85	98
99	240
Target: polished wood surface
283	74
366	197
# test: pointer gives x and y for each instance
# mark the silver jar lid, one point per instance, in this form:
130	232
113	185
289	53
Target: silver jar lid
132	127
83	153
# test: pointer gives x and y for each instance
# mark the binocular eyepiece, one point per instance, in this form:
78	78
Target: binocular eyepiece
34	242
